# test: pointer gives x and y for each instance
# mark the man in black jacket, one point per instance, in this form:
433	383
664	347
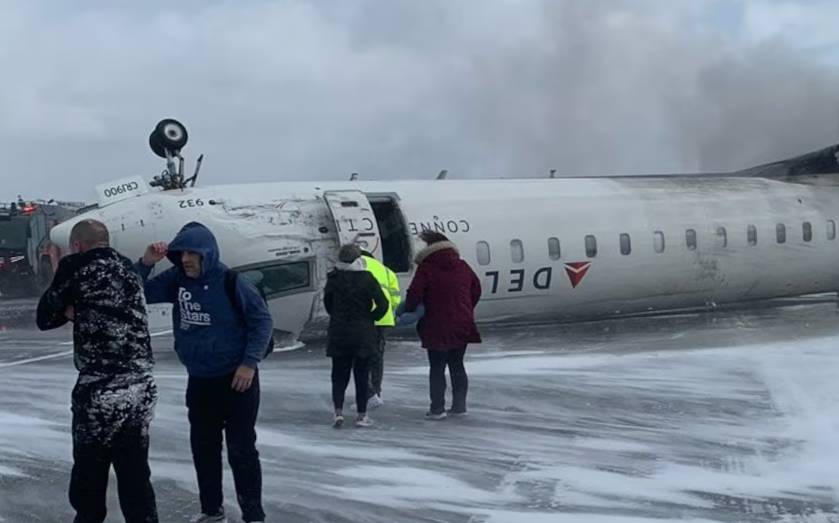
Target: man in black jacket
349	298
115	394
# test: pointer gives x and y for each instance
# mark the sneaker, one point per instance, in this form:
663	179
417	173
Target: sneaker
430	415
375	401
456	413
338	420
207	518
363	421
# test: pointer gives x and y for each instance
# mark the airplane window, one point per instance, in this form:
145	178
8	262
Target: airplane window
517	251
831	230
280	278
722	236
658	241
626	244
483	253
808	231
591	246
690	239
781	233
553	248
751	233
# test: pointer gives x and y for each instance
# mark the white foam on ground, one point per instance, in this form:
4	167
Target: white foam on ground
353	450
664	432
791	453
553	517
411	488
32	436
9	471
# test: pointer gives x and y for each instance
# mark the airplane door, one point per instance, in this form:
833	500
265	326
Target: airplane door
355	220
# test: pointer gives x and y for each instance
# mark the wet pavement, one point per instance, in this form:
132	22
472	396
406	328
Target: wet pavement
725	417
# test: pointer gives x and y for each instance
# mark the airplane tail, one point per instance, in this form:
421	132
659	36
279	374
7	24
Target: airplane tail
823	161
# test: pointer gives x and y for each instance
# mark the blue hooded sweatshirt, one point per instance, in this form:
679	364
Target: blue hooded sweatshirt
210	338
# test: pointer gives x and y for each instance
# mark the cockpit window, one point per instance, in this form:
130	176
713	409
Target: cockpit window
280	278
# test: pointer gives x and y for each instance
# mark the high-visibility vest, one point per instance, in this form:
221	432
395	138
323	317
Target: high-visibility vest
390	286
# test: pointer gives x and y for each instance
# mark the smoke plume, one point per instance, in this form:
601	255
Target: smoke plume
277	90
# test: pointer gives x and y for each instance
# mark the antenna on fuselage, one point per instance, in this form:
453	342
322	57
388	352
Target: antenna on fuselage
166	141
443	174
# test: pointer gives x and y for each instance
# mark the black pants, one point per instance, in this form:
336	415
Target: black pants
215	407
128	452
438	360
377	366
341	368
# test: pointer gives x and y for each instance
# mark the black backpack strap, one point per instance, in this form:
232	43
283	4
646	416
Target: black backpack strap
230	289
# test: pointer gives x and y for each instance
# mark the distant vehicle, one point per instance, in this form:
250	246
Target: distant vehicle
28	257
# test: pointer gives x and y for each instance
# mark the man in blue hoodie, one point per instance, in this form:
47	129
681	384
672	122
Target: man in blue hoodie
221	349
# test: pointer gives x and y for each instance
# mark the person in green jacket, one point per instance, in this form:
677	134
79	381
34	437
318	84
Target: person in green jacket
390	287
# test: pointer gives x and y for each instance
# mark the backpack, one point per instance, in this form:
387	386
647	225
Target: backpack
230	289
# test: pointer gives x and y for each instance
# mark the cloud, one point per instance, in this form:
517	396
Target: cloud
805	24
284	90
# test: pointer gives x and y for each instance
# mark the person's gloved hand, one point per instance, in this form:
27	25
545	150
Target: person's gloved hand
407	318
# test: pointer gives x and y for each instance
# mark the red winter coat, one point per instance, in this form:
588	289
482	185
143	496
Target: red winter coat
449	289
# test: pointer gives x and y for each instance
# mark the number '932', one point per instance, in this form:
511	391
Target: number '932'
183	204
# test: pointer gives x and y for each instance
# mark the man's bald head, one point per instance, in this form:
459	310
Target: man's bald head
89	234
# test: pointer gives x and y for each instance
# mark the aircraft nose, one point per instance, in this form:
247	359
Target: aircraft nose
60	234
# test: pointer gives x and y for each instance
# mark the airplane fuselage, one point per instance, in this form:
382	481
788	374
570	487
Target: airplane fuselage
564	249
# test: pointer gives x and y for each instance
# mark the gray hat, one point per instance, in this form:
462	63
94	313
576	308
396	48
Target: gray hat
348	253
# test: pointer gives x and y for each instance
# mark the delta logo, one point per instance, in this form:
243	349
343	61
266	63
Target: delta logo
576	271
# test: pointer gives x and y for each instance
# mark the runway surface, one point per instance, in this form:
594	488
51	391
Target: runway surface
728	417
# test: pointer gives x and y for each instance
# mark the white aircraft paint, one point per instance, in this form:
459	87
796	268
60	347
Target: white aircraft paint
552	248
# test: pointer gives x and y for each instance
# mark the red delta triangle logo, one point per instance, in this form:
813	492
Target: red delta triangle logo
576	272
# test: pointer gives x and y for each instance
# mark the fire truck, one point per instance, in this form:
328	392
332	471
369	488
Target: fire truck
27	256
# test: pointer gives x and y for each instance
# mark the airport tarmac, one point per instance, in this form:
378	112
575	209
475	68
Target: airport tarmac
724	417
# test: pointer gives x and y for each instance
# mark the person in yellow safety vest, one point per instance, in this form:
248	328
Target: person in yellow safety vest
390	286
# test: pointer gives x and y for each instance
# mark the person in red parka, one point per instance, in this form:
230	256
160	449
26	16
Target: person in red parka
449	289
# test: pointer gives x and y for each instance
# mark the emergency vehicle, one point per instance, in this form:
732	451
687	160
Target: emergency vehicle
27	256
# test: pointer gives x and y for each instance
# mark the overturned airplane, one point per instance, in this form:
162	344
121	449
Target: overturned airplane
557	249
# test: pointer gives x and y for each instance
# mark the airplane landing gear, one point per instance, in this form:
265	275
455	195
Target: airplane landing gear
168	135
166	141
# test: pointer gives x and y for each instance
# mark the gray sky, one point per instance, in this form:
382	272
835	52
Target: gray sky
291	90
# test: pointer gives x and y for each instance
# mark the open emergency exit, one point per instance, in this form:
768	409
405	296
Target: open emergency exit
355	220
376	223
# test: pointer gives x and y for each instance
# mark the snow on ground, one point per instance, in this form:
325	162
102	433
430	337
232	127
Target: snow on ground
722	420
